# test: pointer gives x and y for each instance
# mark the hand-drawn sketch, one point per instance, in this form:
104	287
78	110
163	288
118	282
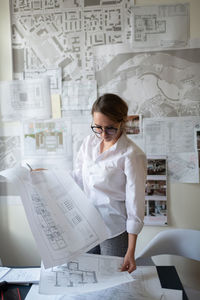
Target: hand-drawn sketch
146	286
153	26
51	34
159	83
86	273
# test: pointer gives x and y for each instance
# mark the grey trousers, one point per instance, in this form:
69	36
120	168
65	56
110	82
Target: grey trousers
116	246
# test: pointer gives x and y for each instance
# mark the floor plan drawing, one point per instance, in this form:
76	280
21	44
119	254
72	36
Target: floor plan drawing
71	275
153	26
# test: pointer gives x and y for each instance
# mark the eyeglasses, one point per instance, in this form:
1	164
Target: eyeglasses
107	130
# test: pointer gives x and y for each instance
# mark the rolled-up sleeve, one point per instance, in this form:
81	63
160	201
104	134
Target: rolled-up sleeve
135	171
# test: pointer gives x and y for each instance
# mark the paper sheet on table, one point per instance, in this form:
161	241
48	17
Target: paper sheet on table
25	99
3	272
86	273
172	294
63	221
22	275
146	285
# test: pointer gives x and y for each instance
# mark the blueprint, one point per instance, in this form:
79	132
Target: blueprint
153	26
51	34
158	83
79	95
63	221
84	274
145	286
10	145
55	76
25	99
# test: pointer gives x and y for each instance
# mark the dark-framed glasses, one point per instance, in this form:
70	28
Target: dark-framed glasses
108	130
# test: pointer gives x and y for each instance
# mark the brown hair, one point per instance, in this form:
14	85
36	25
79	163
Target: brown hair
111	106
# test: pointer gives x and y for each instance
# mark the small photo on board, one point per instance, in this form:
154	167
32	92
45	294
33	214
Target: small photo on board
155	212
156	167
133	124
155	188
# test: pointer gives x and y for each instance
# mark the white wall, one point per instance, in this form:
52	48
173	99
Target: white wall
17	246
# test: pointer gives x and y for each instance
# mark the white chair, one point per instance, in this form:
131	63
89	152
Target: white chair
181	242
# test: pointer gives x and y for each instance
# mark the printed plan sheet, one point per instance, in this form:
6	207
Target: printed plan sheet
154	83
79	95
47	143
174	137
10	144
25	99
145	286
63	221
153	26
84	274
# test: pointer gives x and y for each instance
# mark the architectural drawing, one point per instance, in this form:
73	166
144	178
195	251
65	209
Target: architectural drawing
55	76
153	26
85	273
9	151
50	229
51	34
51	137
78	95
22	99
71	275
154	83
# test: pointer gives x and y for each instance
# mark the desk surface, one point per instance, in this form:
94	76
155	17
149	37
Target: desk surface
167	274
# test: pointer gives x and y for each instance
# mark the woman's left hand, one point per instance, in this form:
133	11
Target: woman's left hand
129	263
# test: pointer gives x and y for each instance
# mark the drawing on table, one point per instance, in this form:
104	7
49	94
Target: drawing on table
70	275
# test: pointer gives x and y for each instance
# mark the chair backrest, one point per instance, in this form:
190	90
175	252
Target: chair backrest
182	242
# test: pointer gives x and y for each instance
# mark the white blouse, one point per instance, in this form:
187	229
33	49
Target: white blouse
114	181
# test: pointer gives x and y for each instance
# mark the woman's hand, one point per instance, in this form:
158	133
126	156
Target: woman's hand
129	263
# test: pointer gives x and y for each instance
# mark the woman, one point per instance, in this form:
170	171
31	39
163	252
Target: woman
111	170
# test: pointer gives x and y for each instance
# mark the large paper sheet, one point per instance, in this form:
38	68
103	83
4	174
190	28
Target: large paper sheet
62	33
25	99
22	275
63	221
146	286
84	274
156	83
153	26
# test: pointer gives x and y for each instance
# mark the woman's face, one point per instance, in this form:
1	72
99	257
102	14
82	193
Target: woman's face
105	128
